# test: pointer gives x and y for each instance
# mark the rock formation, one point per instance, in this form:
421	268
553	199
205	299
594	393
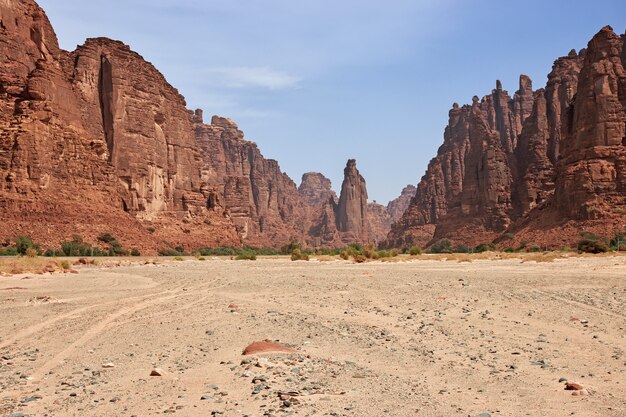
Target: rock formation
378	222
591	180
397	207
351	218
94	140
262	201
316	189
352	206
540	166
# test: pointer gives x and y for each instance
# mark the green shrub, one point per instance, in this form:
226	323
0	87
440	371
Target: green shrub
355	249
618	242
169	252
442	246
509	250
290	247
344	255
202	258
246	256
297	255
8	251
135	252
106	237
76	247
534	249
484	247
178	258
415	250
462	249
591	246
116	249
23	243
65	264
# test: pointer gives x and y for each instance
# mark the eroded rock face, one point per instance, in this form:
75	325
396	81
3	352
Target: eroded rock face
378	222
94	140
352	207
397	207
557	168
262	201
316	189
591	180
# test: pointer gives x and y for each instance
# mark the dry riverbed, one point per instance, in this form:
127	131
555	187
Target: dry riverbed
416	338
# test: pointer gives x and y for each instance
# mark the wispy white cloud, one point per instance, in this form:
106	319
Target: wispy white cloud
256	77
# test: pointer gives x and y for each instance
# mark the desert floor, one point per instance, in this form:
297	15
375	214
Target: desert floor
417	338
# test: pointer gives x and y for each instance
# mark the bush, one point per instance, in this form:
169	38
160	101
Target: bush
534	248
509	250
484	247
370	251
106	237
8	251
135	252
354	249
23	243
221	251
415	250
297	255
116	249
291	247
76	247
31	252
178	258
359	259
591	246
246	256
442	246
618	243
202	258
169	252
344	255
65	264
462	249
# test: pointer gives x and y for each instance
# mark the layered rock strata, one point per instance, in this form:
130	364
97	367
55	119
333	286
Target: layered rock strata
541	166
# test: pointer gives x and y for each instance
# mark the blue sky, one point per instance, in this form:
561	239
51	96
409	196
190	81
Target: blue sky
315	82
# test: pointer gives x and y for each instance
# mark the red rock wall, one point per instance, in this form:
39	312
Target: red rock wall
94	141
591	180
261	200
558	163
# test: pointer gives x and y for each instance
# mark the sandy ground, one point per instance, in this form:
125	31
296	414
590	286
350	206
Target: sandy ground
421	338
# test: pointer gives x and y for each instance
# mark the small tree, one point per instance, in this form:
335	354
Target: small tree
23	243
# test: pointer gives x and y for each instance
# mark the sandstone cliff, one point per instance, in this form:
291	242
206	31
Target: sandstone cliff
316	189
540	166
397	207
262	201
94	140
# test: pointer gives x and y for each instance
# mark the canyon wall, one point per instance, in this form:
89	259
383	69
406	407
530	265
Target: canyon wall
540	166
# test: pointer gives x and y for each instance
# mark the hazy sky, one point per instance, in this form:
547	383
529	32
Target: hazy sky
315	82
